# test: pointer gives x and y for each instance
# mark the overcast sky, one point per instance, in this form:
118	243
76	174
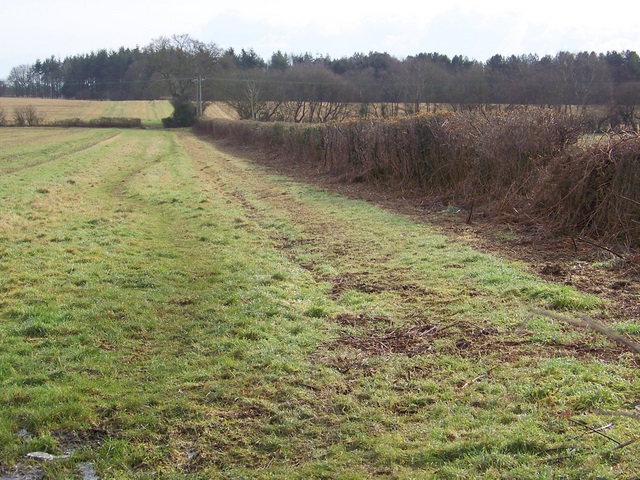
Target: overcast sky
38	29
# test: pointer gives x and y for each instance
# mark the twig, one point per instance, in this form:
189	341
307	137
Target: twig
602	247
479	377
470	216
587	322
625	444
593	431
612	334
630	199
575	245
620	413
596	430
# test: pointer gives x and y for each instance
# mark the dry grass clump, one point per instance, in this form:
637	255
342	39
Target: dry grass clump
27	116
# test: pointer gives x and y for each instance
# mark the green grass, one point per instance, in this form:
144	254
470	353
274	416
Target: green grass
170	311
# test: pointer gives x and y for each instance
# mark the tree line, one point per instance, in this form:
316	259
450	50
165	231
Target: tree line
175	67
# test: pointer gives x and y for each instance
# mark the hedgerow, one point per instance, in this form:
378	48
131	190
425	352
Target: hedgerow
521	162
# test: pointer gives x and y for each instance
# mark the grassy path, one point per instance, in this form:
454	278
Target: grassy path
171	311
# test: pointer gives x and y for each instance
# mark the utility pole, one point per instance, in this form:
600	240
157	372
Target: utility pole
198	80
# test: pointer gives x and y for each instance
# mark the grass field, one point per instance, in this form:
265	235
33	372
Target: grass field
168	310
150	112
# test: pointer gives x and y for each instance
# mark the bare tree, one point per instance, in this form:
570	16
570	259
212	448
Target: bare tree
20	79
180	58
245	94
584	78
423	81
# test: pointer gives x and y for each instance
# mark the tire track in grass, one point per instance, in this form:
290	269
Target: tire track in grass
221	306
415	276
56	150
215	320
130	284
428	338
65	323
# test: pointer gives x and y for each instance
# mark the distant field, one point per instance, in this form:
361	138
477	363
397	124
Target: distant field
149	111
59	109
220	110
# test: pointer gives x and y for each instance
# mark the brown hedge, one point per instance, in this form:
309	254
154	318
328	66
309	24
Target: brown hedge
523	162
594	191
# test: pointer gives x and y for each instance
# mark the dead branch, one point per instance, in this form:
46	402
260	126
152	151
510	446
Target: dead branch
630	199
626	444
470	216
479	377
587	322
602	247
596	430
621	413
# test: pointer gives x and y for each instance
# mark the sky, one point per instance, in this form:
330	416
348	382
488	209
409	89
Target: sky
478	29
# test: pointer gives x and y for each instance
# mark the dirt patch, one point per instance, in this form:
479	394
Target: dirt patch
360	282
460	338
408	341
73	441
464	338
342	283
360	320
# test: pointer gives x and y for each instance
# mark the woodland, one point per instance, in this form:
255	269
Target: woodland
280	87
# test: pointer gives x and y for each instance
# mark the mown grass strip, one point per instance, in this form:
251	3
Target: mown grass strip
176	312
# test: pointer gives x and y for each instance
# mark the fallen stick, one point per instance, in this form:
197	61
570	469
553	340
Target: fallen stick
479	377
602	247
587	322
625	444
597	430
630	199
620	413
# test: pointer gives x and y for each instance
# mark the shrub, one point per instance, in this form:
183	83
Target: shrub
27	116
116	122
19	118
595	191
3	116
472	156
184	114
496	157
